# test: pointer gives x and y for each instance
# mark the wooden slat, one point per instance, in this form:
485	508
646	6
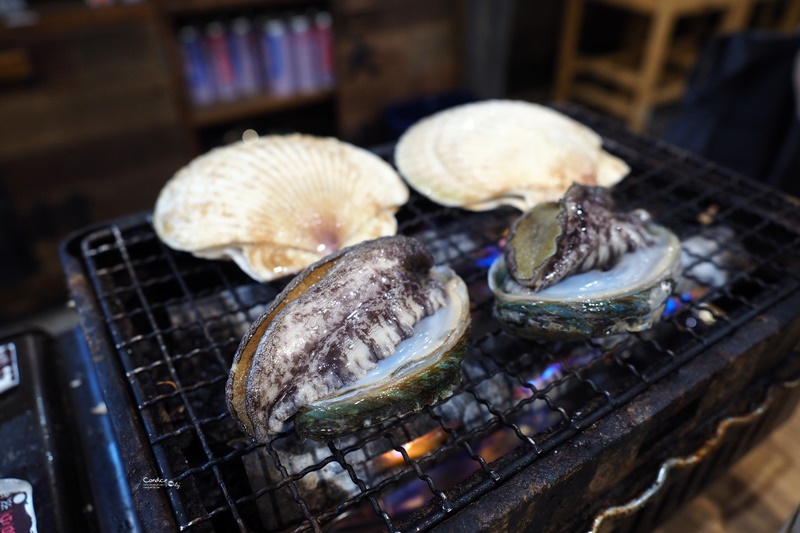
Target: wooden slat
252	106
656	49
38	121
683	54
613	68
640	6
402	51
200	7
670	91
609	68
568	54
791	17
688	7
15	66
58	20
736	15
611	101
681	7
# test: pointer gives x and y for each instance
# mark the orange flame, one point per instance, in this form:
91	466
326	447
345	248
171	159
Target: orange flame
415	449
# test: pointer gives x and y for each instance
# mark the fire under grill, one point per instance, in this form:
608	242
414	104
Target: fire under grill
164	327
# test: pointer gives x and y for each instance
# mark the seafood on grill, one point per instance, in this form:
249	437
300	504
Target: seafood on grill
484	155
278	204
373	331
581	268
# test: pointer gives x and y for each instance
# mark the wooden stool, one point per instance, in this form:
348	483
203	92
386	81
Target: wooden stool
771	17
637	87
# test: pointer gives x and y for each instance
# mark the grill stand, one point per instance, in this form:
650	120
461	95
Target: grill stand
144	314
732	436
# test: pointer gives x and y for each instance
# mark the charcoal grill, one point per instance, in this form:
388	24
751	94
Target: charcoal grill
543	436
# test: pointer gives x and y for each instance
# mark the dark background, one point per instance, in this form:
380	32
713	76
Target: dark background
94	116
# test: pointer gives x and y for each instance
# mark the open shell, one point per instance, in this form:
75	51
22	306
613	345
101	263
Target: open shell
423	380
365	334
582	268
280	203
487	154
629	297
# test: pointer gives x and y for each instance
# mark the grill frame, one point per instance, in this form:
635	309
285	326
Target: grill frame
134	439
607	464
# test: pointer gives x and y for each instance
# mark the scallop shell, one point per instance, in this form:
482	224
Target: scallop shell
280	203
500	152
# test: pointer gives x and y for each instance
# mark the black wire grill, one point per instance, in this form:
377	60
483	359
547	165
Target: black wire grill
176	322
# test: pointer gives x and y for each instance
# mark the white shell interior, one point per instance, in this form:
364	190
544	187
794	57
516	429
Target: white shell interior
430	334
279	203
502	152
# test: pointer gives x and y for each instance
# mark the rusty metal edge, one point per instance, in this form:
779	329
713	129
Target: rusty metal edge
639	502
129	435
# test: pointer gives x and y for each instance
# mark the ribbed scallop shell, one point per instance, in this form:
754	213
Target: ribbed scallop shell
501	152
280	203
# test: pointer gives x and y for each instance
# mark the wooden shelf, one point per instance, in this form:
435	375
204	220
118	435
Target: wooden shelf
55	19
199	7
252	106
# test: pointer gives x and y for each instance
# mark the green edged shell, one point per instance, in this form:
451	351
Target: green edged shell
418	383
377	325
592	306
334	418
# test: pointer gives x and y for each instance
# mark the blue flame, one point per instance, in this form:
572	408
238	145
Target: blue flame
672	306
490	253
677	303
550	372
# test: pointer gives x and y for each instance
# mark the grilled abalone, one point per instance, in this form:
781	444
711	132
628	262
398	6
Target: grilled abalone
580	268
370	332
279	203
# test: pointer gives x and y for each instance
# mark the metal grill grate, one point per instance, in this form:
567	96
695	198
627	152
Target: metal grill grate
176	321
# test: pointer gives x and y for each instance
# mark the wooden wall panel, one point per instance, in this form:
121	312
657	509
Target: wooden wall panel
92	135
391	51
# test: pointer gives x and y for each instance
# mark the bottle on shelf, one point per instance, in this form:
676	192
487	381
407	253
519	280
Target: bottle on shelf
301	43
323	37
222	66
282	56
244	57
277	57
199	80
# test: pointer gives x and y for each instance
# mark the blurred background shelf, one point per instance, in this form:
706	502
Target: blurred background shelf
255	105
59	17
201	7
97	115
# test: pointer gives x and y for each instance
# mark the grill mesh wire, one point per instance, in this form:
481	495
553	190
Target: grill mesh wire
176	321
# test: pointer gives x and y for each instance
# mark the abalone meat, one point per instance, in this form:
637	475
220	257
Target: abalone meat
278	204
373	331
580	268
500	152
